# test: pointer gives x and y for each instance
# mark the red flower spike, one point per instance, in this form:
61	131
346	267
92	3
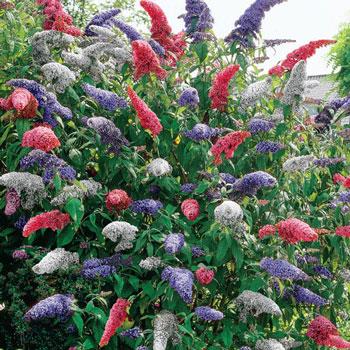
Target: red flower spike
117	316
174	45
190	208
40	138
145	60
294	231
54	220
117	200
267	230
228	144
148	119
22	101
343	231
302	53
204	276
324	332
219	91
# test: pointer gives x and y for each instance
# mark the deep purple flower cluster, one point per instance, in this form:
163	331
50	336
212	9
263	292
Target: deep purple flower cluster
174	242
202	132
102	19
283	269
268	147
157	48
306	296
306	259
188	187
189	97
227	178
325	162
106	99
251	183
181	280
50	164
198	19
21	222
340	103
154	189
46	100
109	133
323	272
104	267
132	333
257	125
197	252
56	306
131	33
146	206
249	24
20	255
206	313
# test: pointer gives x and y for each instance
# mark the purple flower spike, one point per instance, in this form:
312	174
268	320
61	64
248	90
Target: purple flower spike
268	147
306	296
132	333
106	99
174	242
189	97
206	313
249	24
197	252
102	19
202	132
257	125
283	269
56	306
181	280
146	206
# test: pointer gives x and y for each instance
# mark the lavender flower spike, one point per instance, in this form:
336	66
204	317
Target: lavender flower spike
106	99
283	269
110	134
268	147
206	313
56	306
174	242
257	125
254	303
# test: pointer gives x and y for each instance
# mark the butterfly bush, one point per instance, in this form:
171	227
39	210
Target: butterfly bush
163	189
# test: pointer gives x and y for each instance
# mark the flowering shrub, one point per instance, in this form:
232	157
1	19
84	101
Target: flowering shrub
159	191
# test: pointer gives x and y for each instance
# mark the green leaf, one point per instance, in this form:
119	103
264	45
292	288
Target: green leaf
78	321
237	253
22	125
221	251
65	236
201	50
75	209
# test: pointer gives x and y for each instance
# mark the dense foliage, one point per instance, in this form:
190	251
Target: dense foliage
340	59
161	191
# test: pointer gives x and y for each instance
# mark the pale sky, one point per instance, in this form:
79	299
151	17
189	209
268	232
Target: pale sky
302	20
